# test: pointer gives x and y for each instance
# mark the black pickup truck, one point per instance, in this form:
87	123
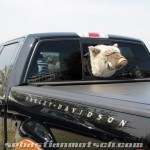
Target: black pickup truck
49	100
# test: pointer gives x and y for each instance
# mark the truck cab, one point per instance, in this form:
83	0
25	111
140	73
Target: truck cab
48	95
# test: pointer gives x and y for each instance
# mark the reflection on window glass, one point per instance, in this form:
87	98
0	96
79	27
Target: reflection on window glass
56	61
7	58
49	62
8	55
67	140
63	136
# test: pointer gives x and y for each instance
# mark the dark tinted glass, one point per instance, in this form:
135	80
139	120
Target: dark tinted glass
56	61
138	62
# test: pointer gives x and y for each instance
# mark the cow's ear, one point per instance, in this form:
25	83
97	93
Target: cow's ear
94	50
115	45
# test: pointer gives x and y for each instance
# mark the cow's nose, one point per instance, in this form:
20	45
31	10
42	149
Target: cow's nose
122	62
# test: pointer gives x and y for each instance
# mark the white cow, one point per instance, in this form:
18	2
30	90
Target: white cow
105	60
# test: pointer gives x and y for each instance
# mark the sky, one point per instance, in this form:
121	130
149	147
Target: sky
121	17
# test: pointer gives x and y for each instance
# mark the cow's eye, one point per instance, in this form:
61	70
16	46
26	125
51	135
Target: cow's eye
105	60
110	66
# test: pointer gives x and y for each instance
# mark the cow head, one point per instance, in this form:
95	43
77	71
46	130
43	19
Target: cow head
105	60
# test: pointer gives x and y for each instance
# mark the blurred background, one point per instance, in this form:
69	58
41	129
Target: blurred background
128	18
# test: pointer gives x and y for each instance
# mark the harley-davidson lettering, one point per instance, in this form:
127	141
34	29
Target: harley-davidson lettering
73	110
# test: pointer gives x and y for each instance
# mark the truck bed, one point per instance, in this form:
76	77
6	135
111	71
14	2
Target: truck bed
133	98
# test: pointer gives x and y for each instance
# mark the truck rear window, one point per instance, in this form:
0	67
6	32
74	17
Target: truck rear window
68	60
138	65
56	61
